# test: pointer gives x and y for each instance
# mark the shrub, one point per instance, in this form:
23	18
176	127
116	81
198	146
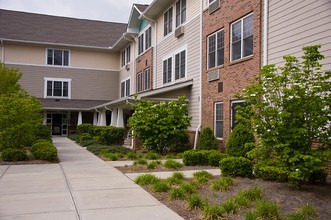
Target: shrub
172	164
188	188
151	165
161	186
207	140
318	176
194	202
96	148
267	209
12	154
43	132
74	137
274	173
85	137
177	194
85	128
140	161
214	158
146	179
194	158
252	194
152	156
132	156
202	176
212	212
306	211
111	135
44	151
222	184
112	156
44	140
236	166
229	205
176	178
239	136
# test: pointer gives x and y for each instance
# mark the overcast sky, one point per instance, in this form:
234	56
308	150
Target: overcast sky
104	10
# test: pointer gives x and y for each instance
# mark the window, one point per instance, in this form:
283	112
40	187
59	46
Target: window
216	49
147	79
168	22
180	61
148	38
125	88
219	120
167	70
139	82
234	105
57	57
242	38
57	88
180	12
141	44
126	56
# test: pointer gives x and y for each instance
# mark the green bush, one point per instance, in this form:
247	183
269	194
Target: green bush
98	149
195	202
161	186
74	137
222	184
273	173
111	135
212	212
318	176
140	161
207	140
267	210
236	166
172	164
44	151
43	132
12	154
146	179
132	156
214	158
85	128
152	156
239	136
194	158
85	137
112	156
177	193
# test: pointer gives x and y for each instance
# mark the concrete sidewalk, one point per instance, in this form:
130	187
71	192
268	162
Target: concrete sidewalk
81	187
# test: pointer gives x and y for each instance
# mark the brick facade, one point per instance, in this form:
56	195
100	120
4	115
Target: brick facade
234	75
144	62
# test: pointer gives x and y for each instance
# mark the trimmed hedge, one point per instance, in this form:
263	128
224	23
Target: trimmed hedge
99	149
85	128
12	154
236	166
43	150
111	135
203	157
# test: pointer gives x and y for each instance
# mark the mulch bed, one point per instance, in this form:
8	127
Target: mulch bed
143	169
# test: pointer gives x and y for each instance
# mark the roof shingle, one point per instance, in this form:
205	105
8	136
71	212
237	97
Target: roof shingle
24	26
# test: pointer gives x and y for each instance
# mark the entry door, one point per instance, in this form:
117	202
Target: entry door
64	125
57	124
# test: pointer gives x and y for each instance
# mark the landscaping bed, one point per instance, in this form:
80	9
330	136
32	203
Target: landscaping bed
143	169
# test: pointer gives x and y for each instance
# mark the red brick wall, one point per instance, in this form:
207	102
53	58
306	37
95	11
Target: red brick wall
234	75
143	62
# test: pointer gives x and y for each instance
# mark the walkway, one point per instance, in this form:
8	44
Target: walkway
81	187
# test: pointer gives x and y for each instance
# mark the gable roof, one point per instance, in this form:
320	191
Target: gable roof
140	7
23	26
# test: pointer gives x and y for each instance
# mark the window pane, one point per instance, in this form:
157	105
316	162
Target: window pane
220	48
211	51
169	69
236	50
128	54
178	22
58	57
219	129
122	89
170	20
139	86
66	58
248	26
57	88
65	89
147	79
220	56
183	16
248	46
177	66
236	32
127	87
50	57
49	88
164	71
123	58
219	120
182	64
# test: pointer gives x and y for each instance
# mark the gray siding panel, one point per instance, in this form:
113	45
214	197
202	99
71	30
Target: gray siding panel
86	84
295	24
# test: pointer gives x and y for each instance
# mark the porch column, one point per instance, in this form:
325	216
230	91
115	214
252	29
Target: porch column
95	118
45	118
102	121
114	117
80	118
120	121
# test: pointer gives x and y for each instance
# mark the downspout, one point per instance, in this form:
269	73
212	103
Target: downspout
200	92
2	52
265	32
98	122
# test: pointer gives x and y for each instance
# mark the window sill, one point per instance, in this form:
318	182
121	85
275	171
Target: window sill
241	60
53	97
215	68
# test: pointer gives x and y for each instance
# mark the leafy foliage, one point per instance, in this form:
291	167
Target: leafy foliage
207	140
289	108
44	150
160	126
240	137
12	154
19	112
236	166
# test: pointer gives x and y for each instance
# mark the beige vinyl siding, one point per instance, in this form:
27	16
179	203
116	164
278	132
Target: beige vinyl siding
85	84
94	59
23	54
168	46
295	24
125	74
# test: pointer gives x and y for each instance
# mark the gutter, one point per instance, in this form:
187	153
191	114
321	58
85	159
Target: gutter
265	32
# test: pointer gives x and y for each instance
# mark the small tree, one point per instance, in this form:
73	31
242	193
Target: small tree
19	112
290	112
160	125
240	141
207	140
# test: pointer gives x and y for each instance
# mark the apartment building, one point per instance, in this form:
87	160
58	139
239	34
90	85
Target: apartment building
231	48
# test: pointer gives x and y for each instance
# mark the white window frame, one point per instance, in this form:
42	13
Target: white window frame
127	92
148	40
69	52
216	48
174	65
169	22
172	56
47	79
147	71
126	56
167	81
241	20
141	43
215	116
181	20
139	82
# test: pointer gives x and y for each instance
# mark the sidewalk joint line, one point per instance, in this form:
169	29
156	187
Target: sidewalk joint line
5	171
